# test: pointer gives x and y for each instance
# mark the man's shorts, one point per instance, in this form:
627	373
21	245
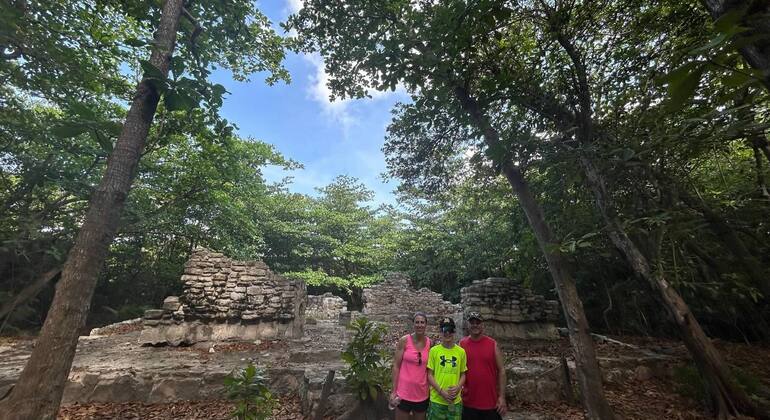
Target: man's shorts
412	406
476	414
445	412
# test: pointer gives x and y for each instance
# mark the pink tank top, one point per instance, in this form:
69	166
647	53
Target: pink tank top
413	376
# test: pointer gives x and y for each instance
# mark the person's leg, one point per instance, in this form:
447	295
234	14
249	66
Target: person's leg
486	415
401	414
469	414
420	411
438	412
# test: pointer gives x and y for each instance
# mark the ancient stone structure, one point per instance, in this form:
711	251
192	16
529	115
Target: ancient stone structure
509	310
226	299
394	298
325	306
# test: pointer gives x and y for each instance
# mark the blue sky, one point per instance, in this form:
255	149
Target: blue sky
328	138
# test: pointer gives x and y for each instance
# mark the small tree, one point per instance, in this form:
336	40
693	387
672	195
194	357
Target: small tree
247	388
366	372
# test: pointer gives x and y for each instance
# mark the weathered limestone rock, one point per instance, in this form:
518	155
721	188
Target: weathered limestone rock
509	310
325	306
226	299
171	303
394	298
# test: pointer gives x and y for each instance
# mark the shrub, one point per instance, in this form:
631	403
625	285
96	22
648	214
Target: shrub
367	372
247	388
690	383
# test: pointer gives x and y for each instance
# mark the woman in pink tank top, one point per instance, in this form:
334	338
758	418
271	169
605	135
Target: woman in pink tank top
410	376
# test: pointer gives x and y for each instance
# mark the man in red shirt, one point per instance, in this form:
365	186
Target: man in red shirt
484	393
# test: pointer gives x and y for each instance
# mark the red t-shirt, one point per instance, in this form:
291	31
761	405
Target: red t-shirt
481	378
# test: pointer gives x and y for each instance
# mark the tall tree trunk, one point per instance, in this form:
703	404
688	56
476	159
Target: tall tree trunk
726	397
38	392
588	373
761	185
756	52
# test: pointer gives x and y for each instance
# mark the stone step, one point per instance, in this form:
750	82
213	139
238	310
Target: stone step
315	356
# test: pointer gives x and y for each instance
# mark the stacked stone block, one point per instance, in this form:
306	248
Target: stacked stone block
325	306
224	298
510	310
394	298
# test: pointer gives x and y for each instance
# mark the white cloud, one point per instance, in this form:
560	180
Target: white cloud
339	109
363	165
293	6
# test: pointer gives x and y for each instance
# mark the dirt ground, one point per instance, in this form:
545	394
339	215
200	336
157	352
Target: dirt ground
633	398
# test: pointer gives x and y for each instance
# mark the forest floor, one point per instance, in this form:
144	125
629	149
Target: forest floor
672	397
659	397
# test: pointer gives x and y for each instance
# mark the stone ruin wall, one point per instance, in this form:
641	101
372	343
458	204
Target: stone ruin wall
325	306
226	299
394	298
509	310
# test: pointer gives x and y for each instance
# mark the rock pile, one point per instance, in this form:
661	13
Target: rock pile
394	298
325	306
225	299
510	310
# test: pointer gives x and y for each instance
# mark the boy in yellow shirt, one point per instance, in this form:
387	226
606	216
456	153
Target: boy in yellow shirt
446	375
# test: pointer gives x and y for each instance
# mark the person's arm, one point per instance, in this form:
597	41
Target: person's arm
453	391
398	356
502	381
432	382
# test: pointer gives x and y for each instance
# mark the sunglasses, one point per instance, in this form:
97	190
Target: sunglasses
419	358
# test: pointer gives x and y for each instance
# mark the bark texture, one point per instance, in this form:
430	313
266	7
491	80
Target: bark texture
38	392
588	373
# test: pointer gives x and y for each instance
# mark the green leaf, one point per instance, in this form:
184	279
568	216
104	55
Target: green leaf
737	79
104	142
678	74
68	130
683	89
133	42
218	90
177	65
178	101
150	71
728	22
713	43
82	110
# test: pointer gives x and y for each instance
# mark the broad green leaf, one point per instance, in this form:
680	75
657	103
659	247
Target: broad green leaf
680	73
150	71
134	42
684	88
68	130
177	101
737	79
728	22
83	110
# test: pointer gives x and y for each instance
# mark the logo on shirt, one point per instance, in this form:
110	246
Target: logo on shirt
444	361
